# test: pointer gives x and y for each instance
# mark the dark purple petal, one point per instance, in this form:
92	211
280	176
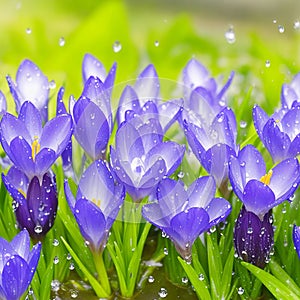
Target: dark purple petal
276	141
91	66
92	223
260	118
44	160
285	179
218	209
17	179
69	195
60	106
296	238
15	277
147	85
33	259
31	118
258	198
201	191
57	133
253	237
32	84
172	197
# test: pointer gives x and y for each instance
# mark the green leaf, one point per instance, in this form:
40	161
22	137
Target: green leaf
46	283
280	274
201	288
100	292
275	286
227	275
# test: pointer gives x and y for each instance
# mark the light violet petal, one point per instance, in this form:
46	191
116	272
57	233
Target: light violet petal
91	66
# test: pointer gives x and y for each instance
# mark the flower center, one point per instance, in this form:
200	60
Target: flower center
96	201
267	178
35	147
22	192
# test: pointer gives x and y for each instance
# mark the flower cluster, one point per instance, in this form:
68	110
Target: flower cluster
129	155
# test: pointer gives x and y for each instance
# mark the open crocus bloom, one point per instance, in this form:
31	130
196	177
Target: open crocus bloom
260	190
296	238
17	265
31	85
184	214
141	159
30	146
97	203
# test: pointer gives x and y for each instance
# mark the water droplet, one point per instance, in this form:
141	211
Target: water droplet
52	85
184	280
240	291
117	46
28	30
243	124
55	243
212	229
297	25
56	260
156	43
230	35
267	63
163	293
151	279
69	256
274	21
15	205
166	252
38	229
180	174
281	28
74	294
55	285
72	266
86	243
201	277
61	41
250	230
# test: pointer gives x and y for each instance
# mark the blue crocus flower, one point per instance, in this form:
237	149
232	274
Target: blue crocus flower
97	204
141	159
31	147
296	238
34	202
17	265
183	214
259	191
213	143
31	85
280	133
198	86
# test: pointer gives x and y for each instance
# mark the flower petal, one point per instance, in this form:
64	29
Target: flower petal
91	66
296	238
218	209
260	118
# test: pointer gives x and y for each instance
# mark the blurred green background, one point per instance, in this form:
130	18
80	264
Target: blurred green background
56	34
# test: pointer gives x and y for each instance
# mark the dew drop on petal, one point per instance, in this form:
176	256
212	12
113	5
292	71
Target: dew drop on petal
61	41
117	46
38	229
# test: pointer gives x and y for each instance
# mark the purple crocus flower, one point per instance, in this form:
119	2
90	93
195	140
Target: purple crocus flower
34	202
31	147
91	66
196	76
17	265
141	159
281	133
213	144
296	238
184	214
259	191
97	204
31	85
290	92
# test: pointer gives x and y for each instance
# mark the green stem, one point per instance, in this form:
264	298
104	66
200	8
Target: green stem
101	271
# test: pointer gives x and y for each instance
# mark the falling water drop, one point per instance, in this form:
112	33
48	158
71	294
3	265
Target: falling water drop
156	43
61	41
281	28
267	63
28	30
230	35
297	25
117	46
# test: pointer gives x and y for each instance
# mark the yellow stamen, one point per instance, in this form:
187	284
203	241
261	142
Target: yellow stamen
267	178
22	192
96	201
35	148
